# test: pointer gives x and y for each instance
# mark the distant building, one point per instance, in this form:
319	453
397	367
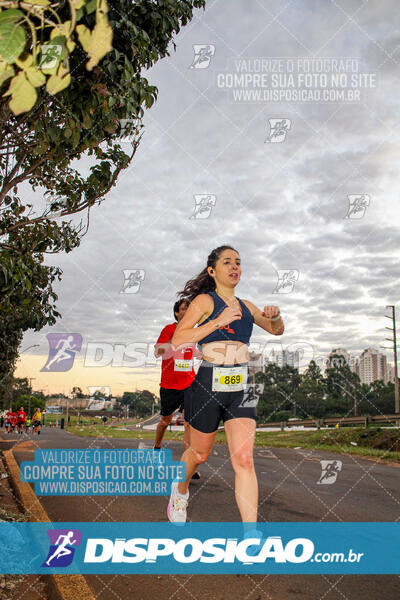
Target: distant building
93	403
78	403
256	363
282	358
351	360
373	366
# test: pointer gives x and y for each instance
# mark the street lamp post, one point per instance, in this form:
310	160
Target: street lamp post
29	347
30	394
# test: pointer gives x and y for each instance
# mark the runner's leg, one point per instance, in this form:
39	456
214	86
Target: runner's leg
161	427
240	434
197	453
186	435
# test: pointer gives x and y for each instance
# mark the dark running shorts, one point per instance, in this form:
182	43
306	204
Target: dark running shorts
204	408
36	423
171	400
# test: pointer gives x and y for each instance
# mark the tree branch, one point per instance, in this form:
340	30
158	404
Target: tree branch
7	187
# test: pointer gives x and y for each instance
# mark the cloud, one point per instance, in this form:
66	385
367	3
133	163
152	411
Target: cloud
281	205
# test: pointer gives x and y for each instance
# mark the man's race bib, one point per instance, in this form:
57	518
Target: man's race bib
229	379
183	365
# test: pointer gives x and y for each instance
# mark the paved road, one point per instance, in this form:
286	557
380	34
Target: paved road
364	491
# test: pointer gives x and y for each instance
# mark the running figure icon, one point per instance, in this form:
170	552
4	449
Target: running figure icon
330	470
62	549
62	354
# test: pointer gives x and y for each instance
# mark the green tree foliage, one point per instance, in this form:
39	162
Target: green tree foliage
140	402
313	394
37	401
36	40
77	392
42	147
144	403
343	387
15	392
376	398
128	399
279	397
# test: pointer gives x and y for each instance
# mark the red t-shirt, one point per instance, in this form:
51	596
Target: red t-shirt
176	373
10	416
21	415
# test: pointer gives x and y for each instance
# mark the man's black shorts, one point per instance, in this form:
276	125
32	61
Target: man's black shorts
170	401
204	408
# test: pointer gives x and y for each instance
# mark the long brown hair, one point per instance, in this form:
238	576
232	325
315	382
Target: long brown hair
203	283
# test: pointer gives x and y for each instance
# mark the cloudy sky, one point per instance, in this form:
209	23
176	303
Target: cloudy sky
277	193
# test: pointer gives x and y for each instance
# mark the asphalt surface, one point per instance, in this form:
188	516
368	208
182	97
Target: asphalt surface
364	491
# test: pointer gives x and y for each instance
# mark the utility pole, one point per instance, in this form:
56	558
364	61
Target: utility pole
394	341
30	394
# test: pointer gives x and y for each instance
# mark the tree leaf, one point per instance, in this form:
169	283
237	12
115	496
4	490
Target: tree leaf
90	6
84	36
61	30
6	71
86	121
77	4
24	62
38	2
11	15
12	40
71	46
23	94
96	43
55	83
35	77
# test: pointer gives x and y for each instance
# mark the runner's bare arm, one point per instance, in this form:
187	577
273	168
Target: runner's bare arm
186	332
262	320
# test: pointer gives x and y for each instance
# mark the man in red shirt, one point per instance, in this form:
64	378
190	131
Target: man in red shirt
177	373
21	419
10	420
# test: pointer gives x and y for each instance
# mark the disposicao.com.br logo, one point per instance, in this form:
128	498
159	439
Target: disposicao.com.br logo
205	548
247	551
190	550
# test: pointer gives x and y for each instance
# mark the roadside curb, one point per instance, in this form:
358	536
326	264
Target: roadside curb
67	587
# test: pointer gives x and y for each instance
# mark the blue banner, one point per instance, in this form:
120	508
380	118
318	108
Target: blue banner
128	472
194	548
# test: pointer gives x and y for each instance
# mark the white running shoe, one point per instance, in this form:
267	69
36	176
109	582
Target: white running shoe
177	504
255	548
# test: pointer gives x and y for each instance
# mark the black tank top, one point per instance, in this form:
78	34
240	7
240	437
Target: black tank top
239	330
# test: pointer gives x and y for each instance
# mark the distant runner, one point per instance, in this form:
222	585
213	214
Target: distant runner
10	420
21	420
176	375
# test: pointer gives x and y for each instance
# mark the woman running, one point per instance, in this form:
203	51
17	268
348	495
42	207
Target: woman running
222	325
